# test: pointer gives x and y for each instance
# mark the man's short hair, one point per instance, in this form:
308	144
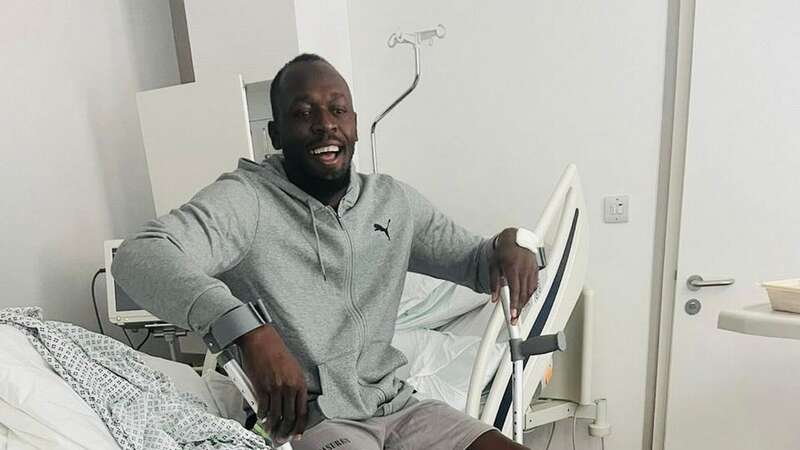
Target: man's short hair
274	87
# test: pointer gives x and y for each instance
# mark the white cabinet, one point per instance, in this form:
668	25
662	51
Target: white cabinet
192	133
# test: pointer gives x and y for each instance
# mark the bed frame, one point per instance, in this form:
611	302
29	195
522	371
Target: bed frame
563	226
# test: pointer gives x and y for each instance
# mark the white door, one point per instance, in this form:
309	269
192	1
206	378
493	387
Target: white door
740	219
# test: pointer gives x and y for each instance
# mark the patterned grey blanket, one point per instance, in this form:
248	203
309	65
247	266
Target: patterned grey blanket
140	406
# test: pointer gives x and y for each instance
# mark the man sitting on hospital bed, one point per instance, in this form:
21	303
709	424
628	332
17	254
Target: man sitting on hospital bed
327	250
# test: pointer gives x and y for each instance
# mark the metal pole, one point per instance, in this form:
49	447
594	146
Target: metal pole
391	107
415	39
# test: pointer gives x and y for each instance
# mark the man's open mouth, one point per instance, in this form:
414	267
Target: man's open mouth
327	154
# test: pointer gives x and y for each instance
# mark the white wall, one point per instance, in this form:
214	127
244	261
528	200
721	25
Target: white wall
323	28
73	171
510	97
256	37
251	37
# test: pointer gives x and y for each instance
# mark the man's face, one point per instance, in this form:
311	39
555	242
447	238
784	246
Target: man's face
315	125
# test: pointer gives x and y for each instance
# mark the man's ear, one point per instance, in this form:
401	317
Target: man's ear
355	118
274	135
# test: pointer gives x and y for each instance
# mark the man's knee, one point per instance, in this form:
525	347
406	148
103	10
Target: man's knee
494	440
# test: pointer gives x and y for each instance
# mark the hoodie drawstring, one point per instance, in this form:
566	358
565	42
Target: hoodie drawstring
316	235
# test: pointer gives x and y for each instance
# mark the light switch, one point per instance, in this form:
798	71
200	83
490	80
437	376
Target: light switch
615	208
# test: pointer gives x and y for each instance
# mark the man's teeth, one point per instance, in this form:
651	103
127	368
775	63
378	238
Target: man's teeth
328	149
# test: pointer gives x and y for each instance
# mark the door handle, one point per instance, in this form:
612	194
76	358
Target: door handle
695	282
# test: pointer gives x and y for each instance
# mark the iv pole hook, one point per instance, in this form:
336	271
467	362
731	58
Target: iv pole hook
415	40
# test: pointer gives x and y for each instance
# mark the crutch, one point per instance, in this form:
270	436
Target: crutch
521	349
235	372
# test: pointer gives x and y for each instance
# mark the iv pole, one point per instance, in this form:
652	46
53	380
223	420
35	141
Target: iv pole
415	40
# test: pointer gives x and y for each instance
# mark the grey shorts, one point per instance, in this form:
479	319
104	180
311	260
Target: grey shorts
426	424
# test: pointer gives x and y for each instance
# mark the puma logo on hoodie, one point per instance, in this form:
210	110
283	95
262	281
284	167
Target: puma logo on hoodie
379	227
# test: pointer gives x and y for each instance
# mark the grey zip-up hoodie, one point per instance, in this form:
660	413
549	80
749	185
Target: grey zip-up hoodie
331	278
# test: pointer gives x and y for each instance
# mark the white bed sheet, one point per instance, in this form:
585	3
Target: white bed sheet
441	360
439	329
3	437
430	303
38	409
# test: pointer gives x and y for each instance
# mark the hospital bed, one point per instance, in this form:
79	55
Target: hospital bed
563	227
448	331
437	362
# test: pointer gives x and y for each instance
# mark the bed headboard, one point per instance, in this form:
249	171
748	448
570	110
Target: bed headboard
565	231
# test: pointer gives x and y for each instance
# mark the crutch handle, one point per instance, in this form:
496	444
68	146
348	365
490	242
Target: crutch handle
548	343
537	345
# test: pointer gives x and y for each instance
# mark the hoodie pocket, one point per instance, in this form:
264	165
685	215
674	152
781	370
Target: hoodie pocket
378	361
342	394
355	388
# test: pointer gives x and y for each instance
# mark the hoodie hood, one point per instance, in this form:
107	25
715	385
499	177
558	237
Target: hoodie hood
272	170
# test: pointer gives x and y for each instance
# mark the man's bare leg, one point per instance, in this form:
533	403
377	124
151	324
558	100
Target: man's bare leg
495	440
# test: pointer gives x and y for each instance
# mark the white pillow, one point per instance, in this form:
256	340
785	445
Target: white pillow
38	408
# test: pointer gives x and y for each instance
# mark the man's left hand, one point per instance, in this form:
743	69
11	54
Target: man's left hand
518	266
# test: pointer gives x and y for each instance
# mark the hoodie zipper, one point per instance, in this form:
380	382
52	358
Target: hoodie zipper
362	322
359	317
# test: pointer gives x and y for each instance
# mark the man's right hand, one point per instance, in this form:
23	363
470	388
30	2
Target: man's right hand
278	381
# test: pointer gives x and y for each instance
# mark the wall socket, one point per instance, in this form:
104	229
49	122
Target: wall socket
615	208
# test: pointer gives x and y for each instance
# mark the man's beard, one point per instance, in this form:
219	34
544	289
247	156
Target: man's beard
330	185
313	184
